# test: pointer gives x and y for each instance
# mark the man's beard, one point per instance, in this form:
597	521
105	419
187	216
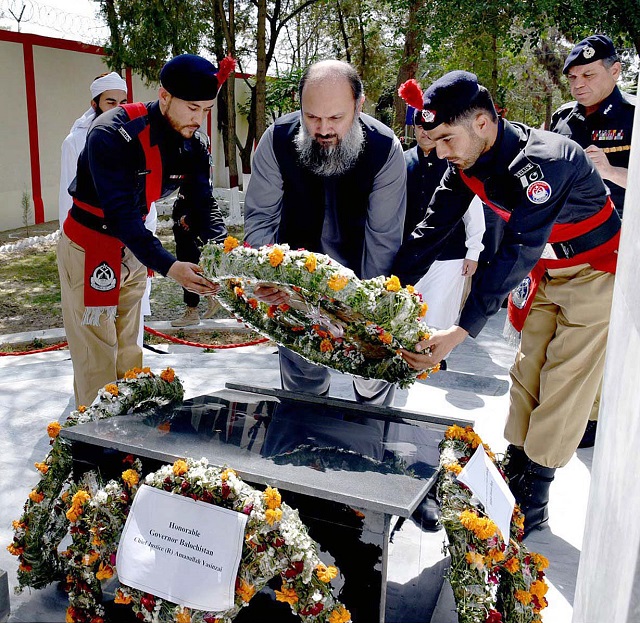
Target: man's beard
332	160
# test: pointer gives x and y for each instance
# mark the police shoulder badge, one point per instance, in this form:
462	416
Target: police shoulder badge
538	192
529	173
103	278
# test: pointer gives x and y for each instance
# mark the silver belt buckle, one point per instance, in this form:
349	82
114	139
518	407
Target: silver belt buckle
548	253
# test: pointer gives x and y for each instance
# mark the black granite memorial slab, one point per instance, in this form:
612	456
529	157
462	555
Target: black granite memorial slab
349	469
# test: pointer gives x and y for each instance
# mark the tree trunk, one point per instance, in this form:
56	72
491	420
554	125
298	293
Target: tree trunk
409	62
228	27
261	71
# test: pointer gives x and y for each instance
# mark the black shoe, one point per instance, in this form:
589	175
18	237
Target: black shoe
534	495
513	465
589	437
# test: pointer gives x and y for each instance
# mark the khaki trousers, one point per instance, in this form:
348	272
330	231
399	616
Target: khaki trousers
100	354
559	366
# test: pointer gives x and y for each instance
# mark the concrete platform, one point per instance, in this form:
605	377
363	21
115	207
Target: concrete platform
37	389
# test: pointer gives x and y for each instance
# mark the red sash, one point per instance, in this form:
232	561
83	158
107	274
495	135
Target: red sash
603	257
103	252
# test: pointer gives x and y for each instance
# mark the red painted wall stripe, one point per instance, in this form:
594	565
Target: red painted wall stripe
34	147
50	42
128	77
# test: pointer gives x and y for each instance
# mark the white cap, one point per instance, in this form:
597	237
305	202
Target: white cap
107	83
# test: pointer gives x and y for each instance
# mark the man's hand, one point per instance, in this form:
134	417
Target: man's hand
190	277
435	349
617	175
272	295
469	267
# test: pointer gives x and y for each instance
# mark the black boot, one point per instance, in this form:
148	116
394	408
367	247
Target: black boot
513	465
533	497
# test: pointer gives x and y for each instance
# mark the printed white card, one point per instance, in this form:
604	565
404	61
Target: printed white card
181	550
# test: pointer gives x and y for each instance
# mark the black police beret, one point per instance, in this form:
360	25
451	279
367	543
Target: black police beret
589	50
447	98
190	77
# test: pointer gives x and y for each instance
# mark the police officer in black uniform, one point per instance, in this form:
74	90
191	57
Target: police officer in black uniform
562	232
601	118
134	155
601	121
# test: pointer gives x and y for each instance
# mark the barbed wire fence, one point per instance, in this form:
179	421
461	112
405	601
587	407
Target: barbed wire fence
23	15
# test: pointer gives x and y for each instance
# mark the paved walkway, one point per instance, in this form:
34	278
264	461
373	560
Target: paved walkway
37	389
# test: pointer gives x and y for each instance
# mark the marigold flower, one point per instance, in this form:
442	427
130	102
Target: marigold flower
53	429
539	588
475	560
130	477
90	558
272	498
524	597
81	409
339	615
36	496
468	435
168	375
184	616
539	560
43	468
104	571
272	515
392	284
15	551
326	574
422	376
253	303
69	616
25	567
424	308
121	598
386	338
411	289
17	524
337	282
512	565
96	541
224	476
326	346
454	468
245	590
112	388
180	467
276	256
310	263
271	311
238	291
287	595
230	243
482	527
494	556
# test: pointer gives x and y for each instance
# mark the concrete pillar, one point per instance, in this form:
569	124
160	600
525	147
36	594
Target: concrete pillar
4	597
608	582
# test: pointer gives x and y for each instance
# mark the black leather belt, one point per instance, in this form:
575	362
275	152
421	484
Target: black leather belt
87	219
592	239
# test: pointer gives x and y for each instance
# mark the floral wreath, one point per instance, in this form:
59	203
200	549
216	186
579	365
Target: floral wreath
333	318
492	582
276	543
44	523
